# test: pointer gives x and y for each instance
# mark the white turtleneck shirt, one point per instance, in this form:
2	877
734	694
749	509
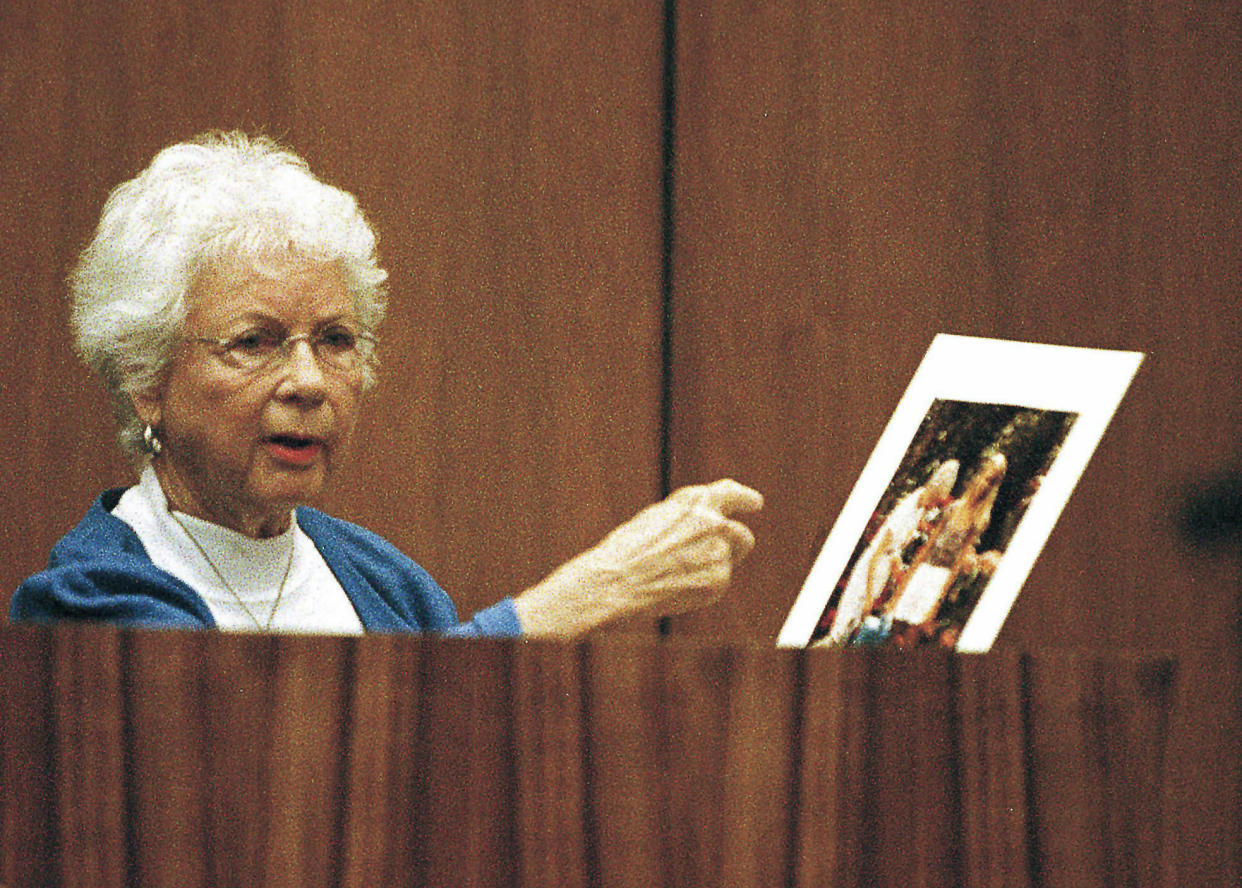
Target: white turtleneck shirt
281	584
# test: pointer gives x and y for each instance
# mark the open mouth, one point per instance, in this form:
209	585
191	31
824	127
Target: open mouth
297	442
294	449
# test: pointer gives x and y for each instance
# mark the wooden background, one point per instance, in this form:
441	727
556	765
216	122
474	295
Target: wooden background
850	178
149	758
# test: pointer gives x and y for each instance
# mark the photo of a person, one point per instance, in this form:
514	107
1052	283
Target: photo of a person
959	495
940	530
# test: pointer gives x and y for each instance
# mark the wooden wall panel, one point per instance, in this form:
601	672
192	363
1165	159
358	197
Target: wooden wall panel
689	779
850	179
552	768
519	216
992	774
208	759
853	178
43	388
29	830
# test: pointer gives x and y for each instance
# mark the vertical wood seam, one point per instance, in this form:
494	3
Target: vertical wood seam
586	752
1034	850
128	757
668	197
957	808
345	768
868	815
796	760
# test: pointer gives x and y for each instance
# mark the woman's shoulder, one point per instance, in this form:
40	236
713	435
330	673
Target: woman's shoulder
99	534
389	589
100	571
338	537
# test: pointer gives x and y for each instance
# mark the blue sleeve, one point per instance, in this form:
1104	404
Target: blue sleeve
498	621
390	591
125	593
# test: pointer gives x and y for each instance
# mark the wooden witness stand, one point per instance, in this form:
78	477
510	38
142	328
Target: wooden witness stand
188	759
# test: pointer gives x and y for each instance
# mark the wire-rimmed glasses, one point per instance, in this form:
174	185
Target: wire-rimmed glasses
338	346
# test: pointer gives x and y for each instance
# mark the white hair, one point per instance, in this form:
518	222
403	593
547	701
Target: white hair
219	197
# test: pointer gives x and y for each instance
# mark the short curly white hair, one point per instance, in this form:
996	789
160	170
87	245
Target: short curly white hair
222	196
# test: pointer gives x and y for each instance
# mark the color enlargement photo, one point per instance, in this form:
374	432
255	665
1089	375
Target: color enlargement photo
942	525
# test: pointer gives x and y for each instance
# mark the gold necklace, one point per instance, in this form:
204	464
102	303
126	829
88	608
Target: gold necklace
280	592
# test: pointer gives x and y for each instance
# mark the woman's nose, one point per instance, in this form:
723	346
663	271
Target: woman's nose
303	377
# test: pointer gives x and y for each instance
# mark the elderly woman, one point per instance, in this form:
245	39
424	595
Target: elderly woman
229	301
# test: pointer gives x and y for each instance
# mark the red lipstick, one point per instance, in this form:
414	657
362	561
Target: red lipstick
294	450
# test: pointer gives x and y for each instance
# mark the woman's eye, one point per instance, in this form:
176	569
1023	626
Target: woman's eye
338	339
254	342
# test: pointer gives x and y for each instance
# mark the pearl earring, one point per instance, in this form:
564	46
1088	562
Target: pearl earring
150	443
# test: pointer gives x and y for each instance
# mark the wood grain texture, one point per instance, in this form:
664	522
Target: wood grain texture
992	731
29	832
172	799
879	800
628	750
377	849
552	776
689	776
237	760
464	772
827	832
853	178
90	742
1108	804
202	759
1202	767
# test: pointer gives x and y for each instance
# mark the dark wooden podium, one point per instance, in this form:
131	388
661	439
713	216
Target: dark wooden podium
196	759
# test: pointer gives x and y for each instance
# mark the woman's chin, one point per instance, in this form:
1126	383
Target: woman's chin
288	488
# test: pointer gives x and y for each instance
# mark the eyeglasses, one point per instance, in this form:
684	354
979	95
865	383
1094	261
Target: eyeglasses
337	346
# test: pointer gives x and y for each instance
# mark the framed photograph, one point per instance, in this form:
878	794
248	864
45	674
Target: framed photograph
959	495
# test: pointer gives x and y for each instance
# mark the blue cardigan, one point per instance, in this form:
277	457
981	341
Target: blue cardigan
100	571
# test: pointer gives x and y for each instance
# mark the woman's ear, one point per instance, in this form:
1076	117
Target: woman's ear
147	405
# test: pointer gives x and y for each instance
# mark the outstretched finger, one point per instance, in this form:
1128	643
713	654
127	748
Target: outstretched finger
730	497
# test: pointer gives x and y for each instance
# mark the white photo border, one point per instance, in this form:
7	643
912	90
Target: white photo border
1088	382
